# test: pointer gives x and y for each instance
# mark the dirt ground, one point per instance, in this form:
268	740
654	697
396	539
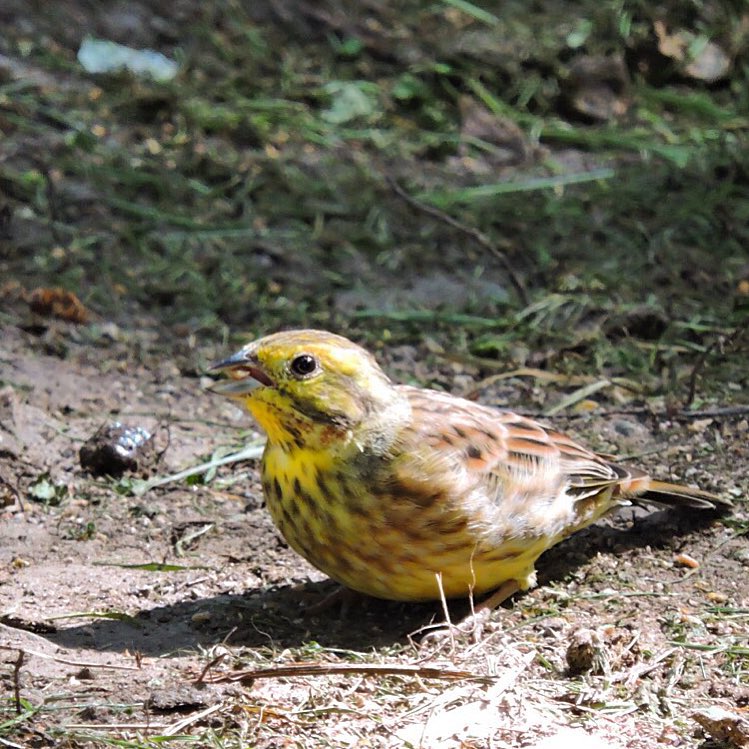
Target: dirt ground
113	648
153	609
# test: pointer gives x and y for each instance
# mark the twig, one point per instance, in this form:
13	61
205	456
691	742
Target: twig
36	628
478	236
713	412
331	669
167	428
208	667
14	489
17	680
723	342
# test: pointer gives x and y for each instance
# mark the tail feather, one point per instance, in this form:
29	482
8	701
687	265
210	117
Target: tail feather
676	495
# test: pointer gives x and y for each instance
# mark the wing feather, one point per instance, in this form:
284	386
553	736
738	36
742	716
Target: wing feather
538	481
494	443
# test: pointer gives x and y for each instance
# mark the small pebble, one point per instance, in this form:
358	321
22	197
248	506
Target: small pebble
724	726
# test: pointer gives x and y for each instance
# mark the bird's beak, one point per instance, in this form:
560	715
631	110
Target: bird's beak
245	372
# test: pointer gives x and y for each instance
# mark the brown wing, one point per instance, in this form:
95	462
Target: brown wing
521	463
513	479
497	443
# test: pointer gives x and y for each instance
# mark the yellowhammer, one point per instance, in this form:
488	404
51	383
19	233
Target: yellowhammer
406	494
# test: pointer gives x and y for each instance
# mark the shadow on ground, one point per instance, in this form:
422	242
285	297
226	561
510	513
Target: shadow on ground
276	617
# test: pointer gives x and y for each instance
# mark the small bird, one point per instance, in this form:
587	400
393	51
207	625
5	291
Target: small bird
410	494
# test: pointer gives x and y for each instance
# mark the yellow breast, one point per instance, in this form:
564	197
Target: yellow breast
380	544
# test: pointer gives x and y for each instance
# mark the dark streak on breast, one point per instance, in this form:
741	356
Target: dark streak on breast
322	485
311	504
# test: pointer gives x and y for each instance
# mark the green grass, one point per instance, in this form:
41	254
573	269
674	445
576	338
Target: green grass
217	198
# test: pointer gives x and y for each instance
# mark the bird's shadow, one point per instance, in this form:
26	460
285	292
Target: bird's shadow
275	617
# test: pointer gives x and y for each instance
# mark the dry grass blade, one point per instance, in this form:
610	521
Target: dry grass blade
332	669
16	681
76	664
579	395
180	725
251	452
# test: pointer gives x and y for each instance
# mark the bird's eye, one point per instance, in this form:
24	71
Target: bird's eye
303	365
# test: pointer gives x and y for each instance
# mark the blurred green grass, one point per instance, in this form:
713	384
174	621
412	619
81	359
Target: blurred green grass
253	189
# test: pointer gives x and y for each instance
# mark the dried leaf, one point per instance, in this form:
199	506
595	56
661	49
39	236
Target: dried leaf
58	302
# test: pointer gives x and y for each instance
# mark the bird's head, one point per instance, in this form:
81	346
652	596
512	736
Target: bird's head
309	388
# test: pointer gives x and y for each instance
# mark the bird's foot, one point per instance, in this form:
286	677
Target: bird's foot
474	623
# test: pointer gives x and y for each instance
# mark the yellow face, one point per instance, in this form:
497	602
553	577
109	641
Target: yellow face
306	387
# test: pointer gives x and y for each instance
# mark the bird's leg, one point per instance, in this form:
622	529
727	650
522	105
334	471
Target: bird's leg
500	595
341	596
479	616
474	622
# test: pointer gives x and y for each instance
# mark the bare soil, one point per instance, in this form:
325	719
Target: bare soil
114	647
